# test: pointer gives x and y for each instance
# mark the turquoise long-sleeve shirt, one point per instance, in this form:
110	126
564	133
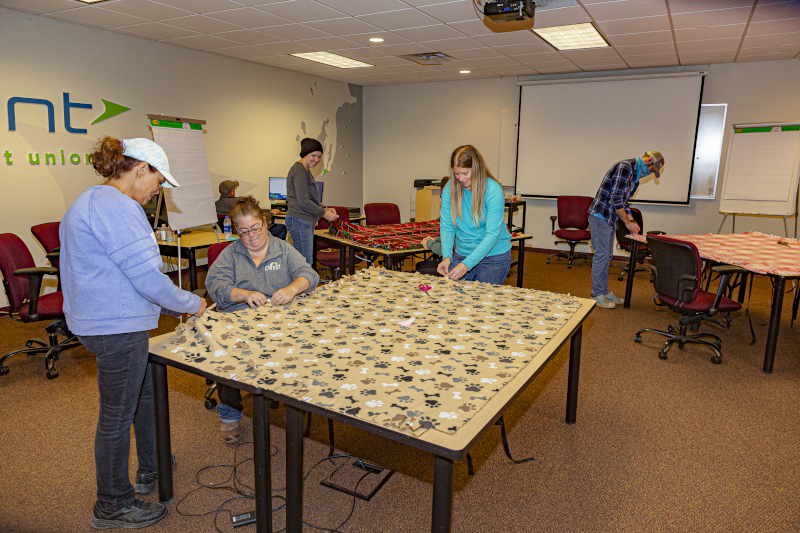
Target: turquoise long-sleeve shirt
475	240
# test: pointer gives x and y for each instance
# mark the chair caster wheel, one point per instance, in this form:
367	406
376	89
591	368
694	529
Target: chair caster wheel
3	370
619	278
28	344
52	373
209	381
637	338
548	261
211	403
716	359
662	355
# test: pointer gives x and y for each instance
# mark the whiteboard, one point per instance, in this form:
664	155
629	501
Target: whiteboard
570	134
761	174
191	204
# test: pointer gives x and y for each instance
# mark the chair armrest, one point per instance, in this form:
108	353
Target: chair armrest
682	285
728	269
56	250
34	275
53	256
36	271
553	219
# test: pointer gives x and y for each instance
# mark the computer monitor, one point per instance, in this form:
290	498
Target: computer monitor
320	186
277	188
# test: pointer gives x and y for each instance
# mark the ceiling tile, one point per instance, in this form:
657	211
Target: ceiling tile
430	33
601	55
287	47
360	7
250	37
328	43
247	17
706	60
494	62
513	37
721	54
786	10
561	17
157	30
709	45
535	47
302	11
204	42
457	11
471	28
281	61
201	6
291	32
661	48
366	53
475	53
701	32
389	38
202	24
638	58
344	26
653	64
546	68
41	6
766	57
718	17
635	39
688	6
774	26
145	9
625	9
447	45
57	16
636	25
399	20
752	41
96	15
243	52
384	61
527	59
403	49
768	50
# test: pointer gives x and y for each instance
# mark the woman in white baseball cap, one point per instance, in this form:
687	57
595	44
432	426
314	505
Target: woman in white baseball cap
114	292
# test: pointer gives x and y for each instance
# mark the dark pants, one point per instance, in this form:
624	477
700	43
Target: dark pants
429	266
126	397
279	231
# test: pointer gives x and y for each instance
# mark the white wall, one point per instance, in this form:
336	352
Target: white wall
410	131
256	114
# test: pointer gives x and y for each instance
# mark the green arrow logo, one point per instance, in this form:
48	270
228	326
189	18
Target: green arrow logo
112	110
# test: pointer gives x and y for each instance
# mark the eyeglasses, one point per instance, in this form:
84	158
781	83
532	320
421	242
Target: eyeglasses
254	231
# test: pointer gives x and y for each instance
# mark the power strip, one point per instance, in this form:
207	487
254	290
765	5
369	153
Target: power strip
243	519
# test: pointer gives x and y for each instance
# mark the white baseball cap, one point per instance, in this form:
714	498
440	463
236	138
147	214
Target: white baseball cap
149	152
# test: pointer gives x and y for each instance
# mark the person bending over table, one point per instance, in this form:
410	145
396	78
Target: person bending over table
610	205
475	238
302	199
251	272
113	293
227	199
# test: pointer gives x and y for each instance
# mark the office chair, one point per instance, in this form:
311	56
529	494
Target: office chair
22	281
677	277
327	253
573	224
379	214
47	235
625	245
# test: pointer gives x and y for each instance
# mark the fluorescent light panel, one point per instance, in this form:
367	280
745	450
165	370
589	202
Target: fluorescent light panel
333	60
572	36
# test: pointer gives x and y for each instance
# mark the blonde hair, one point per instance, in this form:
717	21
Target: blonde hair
467	156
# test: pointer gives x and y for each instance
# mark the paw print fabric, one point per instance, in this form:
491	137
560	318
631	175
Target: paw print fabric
341	346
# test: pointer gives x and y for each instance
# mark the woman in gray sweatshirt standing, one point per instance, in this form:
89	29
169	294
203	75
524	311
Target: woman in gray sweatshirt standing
303	201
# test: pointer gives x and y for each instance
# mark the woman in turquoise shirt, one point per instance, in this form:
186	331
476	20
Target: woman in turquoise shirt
476	244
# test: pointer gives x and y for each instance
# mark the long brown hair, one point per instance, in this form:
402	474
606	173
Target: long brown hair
467	156
108	161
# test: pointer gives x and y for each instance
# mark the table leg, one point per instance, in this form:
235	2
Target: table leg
342	261
352	265
742	287
631	272
387	261
774	324
192	270
520	262
163	443
261	464
294	469
442	515
574	375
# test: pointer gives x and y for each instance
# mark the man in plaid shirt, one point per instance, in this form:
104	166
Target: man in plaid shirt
609	206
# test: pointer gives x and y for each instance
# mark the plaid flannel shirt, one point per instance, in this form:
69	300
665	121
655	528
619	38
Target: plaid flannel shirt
617	187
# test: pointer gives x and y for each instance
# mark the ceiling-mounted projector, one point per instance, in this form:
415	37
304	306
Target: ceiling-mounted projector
508	15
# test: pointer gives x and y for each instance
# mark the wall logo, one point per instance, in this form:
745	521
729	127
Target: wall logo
111	110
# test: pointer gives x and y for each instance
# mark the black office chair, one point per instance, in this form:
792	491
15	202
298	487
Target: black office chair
625	245
677	277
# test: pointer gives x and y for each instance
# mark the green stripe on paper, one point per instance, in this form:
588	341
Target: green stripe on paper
766	129
174	124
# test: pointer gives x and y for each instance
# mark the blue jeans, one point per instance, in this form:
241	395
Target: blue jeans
126	397
491	269
302	233
603	235
279	231
230	404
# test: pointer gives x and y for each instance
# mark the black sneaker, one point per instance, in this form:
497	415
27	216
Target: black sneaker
145	482
138	514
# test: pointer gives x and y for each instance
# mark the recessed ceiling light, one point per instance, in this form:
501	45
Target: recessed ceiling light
91	1
332	59
375	40
463	71
572	36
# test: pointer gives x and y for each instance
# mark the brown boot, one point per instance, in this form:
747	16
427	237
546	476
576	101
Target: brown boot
231	432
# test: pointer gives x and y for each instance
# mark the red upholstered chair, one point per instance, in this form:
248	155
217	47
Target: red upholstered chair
378	214
677	276
47	235
327	253
573	224
22	281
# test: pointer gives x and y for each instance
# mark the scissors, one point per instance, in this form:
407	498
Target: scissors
425	288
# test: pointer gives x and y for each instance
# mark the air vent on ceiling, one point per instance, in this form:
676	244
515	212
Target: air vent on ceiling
429	58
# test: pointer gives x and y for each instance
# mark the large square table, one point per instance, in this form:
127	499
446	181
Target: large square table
523	353
758	253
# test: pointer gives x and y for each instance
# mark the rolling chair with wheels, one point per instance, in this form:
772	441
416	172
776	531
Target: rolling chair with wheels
22	281
625	245
327	253
47	235
677	275
573	226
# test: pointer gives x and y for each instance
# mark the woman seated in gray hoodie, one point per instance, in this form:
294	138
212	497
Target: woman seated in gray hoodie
255	270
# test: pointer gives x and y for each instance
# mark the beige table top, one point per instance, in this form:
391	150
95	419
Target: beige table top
198	238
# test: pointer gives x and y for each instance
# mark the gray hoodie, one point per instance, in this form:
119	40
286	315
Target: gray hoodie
234	268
